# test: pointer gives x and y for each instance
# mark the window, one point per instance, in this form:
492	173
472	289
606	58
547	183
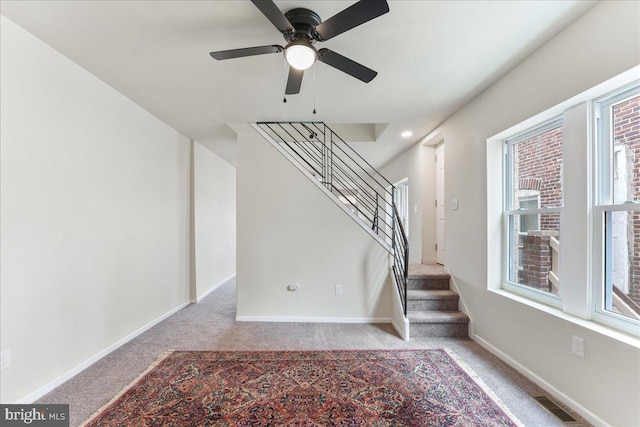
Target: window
575	168
533	202
617	210
529	201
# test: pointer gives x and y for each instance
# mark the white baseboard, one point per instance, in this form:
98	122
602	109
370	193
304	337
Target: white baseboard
305	319
213	288
37	394
562	397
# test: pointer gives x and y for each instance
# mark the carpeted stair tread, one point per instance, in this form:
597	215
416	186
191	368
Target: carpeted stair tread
427	271
437	317
426	294
432	306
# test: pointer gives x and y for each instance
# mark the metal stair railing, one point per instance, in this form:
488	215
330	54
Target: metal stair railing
351	179
400	258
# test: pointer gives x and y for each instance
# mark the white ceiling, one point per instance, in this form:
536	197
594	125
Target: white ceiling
431	57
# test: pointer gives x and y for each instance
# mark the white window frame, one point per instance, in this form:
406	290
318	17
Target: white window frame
577	265
604	204
509	213
525	196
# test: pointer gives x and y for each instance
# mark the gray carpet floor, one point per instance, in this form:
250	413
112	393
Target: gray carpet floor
211	325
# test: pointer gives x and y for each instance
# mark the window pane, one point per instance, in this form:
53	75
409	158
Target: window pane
622	293
537	169
533	254
529	223
626	150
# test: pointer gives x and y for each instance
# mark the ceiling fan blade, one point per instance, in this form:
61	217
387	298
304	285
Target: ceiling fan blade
294	81
273	14
346	65
247	51
351	17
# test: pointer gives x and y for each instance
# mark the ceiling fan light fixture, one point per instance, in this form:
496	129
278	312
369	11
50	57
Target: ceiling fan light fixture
300	55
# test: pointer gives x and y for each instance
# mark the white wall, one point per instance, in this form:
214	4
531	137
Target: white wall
215	219
289	231
94	215
418	164
604	385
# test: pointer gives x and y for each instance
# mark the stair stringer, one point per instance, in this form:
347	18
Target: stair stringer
461	304
399	321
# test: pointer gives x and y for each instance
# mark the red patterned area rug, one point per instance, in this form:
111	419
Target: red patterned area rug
306	388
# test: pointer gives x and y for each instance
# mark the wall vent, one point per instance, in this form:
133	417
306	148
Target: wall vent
556	410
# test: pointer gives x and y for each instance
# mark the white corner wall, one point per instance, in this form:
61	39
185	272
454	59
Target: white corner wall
290	232
215	219
418	165
94	216
603	385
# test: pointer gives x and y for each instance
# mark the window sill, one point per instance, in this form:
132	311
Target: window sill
587	324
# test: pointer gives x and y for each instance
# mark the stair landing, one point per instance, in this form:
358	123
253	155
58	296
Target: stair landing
428	270
432	308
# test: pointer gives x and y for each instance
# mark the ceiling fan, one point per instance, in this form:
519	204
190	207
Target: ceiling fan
302	28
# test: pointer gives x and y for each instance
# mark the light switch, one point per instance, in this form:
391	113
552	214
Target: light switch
454	204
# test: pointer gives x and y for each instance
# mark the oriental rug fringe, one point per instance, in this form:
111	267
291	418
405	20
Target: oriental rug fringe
306	388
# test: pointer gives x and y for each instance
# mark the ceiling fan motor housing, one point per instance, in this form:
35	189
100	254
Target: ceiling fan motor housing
301	28
304	21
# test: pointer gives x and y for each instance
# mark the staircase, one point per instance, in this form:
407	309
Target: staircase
432	308
366	195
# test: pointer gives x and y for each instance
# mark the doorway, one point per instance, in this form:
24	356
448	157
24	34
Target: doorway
440	204
401	199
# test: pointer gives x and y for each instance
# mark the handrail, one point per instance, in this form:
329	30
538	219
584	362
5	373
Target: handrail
347	175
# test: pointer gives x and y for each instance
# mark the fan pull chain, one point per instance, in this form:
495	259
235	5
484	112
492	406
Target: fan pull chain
284	74
314	88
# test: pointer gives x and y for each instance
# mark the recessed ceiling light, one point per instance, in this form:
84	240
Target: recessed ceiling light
406	134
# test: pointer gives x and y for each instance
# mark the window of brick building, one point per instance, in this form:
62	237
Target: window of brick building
618	207
533	201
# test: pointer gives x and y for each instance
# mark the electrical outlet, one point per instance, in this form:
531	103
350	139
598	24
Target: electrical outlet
5	359
338	289
577	346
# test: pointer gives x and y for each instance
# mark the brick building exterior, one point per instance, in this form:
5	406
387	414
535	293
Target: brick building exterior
626	122
539	166
538	169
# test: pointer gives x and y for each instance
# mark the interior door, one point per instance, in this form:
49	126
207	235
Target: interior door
440	205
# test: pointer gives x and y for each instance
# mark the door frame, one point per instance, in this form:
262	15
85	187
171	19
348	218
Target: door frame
440	203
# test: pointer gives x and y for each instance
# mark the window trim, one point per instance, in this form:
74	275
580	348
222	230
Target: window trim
577	295
603	194
602	127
